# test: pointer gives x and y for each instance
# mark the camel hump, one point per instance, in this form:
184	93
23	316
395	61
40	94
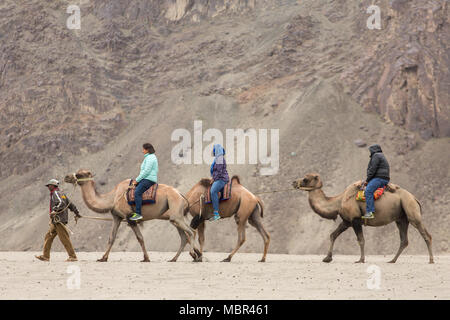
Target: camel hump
392	187
236	179
205	182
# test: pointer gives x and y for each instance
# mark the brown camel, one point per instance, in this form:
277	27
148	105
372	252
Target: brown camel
396	204
170	205
243	205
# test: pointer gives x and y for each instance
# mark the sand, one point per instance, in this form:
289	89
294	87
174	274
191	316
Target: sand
281	277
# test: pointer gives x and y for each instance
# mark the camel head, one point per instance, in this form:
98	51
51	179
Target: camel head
309	182
80	177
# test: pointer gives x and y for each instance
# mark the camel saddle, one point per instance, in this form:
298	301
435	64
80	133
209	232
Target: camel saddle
224	194
148	197
360	196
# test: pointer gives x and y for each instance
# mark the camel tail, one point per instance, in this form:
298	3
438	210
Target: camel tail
187	208
261	206
420	205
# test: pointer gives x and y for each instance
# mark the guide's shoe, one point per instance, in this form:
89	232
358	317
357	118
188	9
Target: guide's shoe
42	258
70	259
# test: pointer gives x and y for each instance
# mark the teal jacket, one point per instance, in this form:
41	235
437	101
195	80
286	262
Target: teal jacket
149	168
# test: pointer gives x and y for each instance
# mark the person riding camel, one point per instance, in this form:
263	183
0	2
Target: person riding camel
147	177
377	177
59	203
219	178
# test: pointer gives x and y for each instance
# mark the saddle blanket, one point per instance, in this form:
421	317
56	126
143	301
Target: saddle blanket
224	194
148	197
360	196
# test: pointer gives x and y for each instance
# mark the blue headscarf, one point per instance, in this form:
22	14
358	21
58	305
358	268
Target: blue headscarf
218	151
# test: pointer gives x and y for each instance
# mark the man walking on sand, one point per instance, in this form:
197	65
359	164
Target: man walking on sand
59	203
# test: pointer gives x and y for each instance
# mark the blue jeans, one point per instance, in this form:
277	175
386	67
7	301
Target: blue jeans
373	185
216	187
142	186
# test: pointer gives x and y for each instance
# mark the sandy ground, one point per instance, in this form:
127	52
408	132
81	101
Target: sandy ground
281	277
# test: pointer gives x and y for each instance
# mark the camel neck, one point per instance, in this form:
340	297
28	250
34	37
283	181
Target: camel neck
326	207
100	203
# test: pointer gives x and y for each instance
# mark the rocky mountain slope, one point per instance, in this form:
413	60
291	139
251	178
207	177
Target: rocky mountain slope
138	70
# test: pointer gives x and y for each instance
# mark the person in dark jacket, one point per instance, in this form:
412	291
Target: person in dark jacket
378	176
59	203
219	178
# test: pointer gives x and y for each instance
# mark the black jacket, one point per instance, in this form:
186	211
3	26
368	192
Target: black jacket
378	165
59	203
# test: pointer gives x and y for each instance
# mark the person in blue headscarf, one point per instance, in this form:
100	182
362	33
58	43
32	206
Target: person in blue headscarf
219	176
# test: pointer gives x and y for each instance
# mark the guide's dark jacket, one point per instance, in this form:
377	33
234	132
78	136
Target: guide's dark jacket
378	165
59	203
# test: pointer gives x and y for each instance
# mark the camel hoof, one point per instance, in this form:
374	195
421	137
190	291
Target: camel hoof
262	260
227	259
199	259
360	261
197	252
172	260
431	262
102	260
392	261
145	260
193	255
327	259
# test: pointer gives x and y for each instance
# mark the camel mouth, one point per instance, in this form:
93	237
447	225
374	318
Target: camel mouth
299	186
69	179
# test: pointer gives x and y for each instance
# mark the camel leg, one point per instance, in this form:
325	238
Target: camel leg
402	226
255	221
413	212
190	234
182	245
116	223
425	235
201	236
333	236
140	239
356	224
240	242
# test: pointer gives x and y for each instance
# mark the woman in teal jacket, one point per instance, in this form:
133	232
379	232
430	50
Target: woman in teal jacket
147	177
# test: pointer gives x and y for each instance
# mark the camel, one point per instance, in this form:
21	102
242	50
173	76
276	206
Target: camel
169	205
396	204
243	205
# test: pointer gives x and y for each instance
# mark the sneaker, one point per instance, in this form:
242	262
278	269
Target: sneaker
368	215
42	258
135	217
215	217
